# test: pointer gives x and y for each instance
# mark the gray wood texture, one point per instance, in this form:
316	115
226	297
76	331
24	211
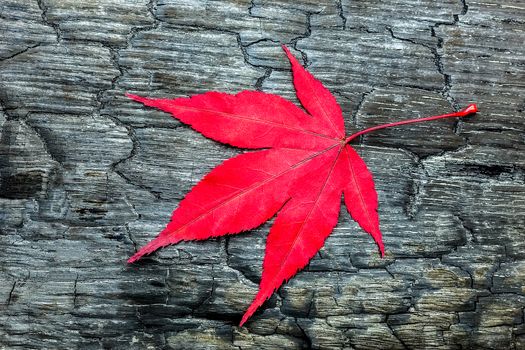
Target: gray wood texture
87	176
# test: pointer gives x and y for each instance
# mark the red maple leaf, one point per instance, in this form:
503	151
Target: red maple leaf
305	166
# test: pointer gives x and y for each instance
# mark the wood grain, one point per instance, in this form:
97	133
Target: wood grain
88	176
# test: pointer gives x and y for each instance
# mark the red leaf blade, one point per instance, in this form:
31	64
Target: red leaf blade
302	226
249	119
256	183
360	195
316	98
305	171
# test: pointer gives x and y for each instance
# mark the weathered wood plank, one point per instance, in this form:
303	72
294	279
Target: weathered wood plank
87	176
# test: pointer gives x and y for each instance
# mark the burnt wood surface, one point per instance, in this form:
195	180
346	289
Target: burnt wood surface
87	176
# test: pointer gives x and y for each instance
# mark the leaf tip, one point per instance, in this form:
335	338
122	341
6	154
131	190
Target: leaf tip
132	96
137	98
250	311
132	259
152	246
260	298
290	56
381	247
138	255
247	315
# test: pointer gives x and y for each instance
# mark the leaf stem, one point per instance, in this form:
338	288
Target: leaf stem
463	113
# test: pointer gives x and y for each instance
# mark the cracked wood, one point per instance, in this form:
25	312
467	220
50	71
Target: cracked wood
81	184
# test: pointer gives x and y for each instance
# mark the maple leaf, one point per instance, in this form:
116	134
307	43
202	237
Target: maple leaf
306	165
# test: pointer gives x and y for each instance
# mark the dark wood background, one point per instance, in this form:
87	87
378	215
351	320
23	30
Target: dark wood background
88	176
